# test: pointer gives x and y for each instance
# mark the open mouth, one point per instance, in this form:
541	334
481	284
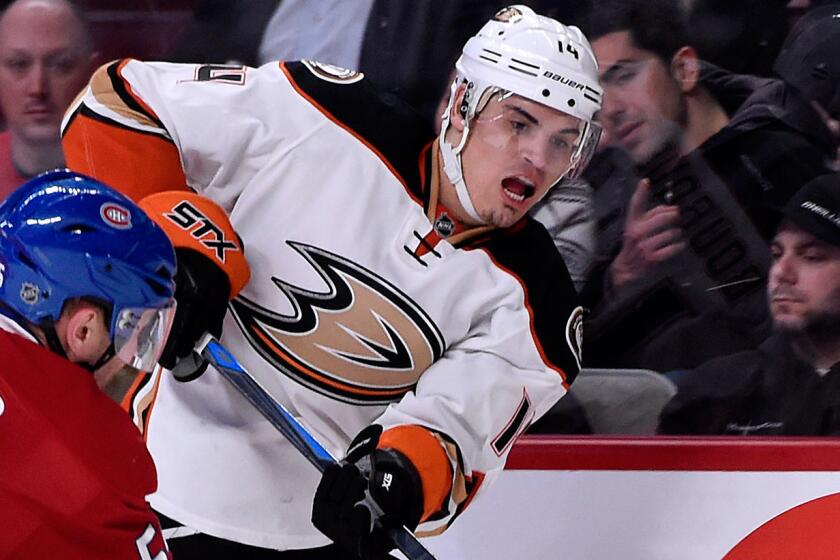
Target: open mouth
517	188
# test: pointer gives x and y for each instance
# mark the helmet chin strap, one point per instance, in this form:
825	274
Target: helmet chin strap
454	170
103	359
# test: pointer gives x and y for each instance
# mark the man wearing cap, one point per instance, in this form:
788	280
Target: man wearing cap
790	385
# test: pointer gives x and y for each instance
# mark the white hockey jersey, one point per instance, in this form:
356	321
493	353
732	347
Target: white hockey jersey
366	304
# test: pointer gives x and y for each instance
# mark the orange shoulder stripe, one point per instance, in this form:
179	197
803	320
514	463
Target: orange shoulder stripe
135	163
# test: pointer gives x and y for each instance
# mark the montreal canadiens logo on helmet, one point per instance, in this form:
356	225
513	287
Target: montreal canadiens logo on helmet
116	215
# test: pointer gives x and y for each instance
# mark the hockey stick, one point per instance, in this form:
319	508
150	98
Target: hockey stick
279	417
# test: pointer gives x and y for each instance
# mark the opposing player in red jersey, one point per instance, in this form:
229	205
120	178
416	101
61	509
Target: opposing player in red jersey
86	287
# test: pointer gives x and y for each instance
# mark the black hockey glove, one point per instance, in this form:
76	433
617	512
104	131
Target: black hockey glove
369	492
202	290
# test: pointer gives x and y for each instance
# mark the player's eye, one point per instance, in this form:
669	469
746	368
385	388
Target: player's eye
519	126
559	143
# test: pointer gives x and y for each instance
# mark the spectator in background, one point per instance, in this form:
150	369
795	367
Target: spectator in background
46	57
790	385
810	64
682	256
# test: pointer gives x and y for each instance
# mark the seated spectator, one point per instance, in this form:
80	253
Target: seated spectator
810	65
46	57
682	256
790	385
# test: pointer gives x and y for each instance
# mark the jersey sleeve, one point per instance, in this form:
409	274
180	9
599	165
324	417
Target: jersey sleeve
112	134
147	127
469	407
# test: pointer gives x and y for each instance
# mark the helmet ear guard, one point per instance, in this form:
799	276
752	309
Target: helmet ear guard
534	57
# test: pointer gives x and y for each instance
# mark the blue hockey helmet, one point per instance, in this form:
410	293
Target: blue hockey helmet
65	236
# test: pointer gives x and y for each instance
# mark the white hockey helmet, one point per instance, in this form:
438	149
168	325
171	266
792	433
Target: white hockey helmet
522	53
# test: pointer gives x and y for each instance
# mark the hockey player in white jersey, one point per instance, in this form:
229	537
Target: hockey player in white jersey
398	291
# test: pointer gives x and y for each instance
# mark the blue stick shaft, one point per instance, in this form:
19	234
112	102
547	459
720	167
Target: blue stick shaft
279	417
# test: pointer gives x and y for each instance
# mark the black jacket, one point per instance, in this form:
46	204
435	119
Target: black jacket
710	300
767	391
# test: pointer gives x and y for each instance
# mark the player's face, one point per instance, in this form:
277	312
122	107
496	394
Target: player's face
516	150
43	65
804	283
643	107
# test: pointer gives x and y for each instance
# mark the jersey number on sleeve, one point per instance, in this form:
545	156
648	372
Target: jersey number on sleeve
221	73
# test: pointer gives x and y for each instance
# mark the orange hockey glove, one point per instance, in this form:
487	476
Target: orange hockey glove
211	270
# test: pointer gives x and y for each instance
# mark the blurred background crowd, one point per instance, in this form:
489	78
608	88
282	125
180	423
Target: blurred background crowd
704	237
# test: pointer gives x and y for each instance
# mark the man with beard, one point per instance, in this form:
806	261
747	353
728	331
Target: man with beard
681	263
790	385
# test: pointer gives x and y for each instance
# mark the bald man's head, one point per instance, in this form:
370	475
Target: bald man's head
46	57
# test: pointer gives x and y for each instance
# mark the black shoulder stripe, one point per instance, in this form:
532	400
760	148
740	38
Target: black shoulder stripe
529	253
89	113
121	90
381	120
72	118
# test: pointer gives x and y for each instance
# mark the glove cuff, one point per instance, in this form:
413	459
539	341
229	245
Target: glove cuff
428	458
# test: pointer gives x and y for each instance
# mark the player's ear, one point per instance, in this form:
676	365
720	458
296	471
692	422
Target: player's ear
83	332
458	111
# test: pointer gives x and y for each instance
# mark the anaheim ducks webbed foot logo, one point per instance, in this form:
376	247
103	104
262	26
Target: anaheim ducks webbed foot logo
360	341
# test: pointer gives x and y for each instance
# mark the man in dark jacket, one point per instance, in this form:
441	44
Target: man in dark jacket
790	385
682	256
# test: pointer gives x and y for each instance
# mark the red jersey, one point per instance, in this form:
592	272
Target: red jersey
74	471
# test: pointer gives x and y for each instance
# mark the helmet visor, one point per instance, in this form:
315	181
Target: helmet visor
140	335
553	142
